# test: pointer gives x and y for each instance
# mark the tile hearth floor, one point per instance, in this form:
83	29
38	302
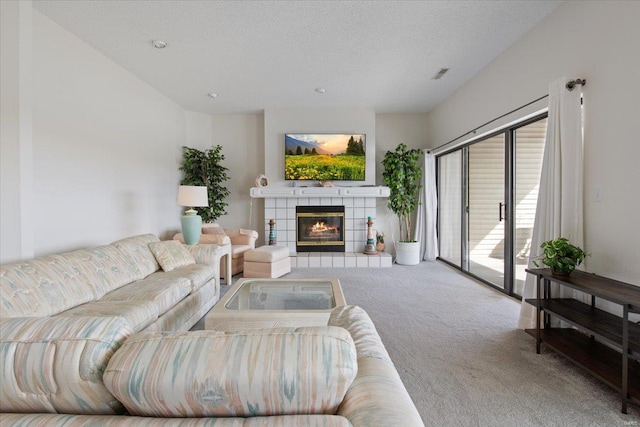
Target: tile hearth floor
340	260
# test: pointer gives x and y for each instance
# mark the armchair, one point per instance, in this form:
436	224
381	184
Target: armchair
241	240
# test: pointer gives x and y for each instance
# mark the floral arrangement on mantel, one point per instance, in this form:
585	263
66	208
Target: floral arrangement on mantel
380	246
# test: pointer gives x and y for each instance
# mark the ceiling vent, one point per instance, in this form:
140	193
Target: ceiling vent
439	74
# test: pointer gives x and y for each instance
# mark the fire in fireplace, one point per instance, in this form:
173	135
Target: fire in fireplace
320	228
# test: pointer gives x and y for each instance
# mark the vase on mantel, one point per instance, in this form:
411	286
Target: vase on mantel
380	246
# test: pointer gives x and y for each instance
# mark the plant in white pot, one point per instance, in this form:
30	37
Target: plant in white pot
402	174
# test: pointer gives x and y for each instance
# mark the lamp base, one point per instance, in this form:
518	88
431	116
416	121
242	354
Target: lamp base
191	227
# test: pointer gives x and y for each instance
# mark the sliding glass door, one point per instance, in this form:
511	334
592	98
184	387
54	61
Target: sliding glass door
486	209
487	196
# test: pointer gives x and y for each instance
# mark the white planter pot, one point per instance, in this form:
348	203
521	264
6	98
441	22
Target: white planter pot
408	253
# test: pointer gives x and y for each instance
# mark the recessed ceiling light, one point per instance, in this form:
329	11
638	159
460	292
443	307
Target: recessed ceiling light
158	44
213	95
320	90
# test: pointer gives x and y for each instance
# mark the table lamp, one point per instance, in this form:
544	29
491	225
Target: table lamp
192	196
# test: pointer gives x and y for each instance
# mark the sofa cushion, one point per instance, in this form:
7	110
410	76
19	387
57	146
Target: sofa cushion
139	314
163	290
104	268
55	364
41	287
198	274
241	374
59	420
137	249
267	254
171	254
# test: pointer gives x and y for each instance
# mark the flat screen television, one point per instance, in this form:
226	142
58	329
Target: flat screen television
325	157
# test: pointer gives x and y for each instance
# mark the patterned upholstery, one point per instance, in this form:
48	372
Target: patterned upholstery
139	314
198	274
254	373
104	268
136	248
56	364
171	254
41	287
164	291
54	420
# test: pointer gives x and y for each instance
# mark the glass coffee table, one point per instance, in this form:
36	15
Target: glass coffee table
272	303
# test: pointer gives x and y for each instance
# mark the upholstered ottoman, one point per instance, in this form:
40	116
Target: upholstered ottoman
267	262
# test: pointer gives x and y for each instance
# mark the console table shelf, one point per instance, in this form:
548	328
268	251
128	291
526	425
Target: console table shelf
608	346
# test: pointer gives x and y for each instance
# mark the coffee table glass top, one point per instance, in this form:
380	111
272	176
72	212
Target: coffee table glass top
260	294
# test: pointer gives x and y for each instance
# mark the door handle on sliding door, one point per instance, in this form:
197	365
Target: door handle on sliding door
500	216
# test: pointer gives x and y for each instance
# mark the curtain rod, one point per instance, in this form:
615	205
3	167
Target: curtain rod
570	86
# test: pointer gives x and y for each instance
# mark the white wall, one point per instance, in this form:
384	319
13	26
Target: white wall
106	148
16	139
278	121
592	40
241	137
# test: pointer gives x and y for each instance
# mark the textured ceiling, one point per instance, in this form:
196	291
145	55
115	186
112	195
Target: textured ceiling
272	54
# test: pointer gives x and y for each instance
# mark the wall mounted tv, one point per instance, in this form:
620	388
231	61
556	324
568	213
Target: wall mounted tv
325	157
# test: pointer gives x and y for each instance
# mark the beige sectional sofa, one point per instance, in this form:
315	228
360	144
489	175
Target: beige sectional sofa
97	337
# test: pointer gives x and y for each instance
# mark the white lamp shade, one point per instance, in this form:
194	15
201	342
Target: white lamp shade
193	196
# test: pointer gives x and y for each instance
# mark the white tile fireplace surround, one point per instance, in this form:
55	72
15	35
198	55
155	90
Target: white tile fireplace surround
359	203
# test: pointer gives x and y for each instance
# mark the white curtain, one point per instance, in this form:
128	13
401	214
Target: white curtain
425	231
559	212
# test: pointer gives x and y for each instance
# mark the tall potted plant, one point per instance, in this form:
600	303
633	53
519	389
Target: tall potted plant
402	174
203	168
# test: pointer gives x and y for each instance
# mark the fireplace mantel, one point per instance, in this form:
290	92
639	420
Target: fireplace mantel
284	192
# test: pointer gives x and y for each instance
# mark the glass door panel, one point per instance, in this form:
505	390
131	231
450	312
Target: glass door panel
450	206
486	210
529	150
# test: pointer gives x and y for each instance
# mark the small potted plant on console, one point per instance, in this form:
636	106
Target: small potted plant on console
560	256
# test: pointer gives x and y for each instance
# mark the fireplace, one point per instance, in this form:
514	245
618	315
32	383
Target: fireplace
320	229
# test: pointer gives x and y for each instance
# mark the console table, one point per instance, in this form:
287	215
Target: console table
609	346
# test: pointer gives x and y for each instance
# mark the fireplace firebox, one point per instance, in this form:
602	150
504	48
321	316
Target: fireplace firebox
320	228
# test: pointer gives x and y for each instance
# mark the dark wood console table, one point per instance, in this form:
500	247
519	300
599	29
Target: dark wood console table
608	346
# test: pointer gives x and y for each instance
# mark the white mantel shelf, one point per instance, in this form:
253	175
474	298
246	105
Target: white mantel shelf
278	192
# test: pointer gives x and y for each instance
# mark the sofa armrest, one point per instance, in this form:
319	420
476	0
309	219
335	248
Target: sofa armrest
55	364
207	239
240	236
377	396
208	254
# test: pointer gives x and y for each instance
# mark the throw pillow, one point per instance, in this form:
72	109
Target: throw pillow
171	254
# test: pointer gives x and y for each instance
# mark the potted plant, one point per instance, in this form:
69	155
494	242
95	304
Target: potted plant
560	256
402	174
203	168
380	246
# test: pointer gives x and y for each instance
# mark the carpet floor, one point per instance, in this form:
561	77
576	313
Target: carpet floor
455	344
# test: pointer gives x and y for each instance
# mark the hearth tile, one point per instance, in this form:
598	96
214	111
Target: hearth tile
281	203
269	213
348	202
385	260
374	261
326	261
369	202
350	261
348	246
269	203
336	201
362	260
292	203
303	262
358	202
294	261
314	261
338	262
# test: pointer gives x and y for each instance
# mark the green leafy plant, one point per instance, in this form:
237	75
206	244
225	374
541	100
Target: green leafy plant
402	174
561	256
204	168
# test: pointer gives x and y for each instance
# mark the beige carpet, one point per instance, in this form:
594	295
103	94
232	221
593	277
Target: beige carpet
456	346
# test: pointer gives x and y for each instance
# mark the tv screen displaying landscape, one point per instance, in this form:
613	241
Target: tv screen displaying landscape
325	157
